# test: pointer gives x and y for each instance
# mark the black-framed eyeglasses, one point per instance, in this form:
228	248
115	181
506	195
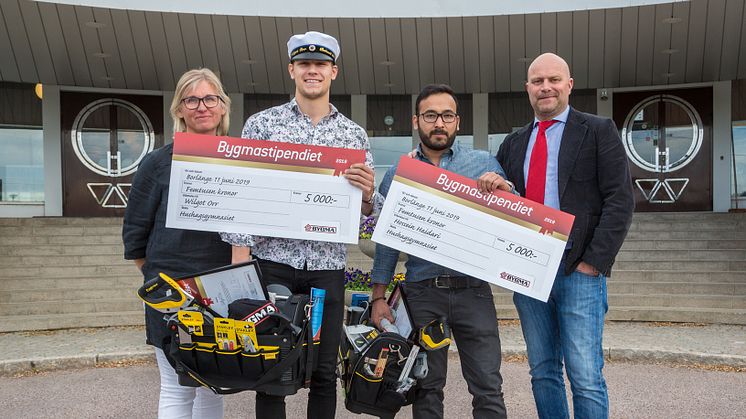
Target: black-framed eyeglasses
431	117
192	102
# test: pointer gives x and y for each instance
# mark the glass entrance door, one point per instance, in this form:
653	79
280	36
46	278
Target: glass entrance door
104	142
668	143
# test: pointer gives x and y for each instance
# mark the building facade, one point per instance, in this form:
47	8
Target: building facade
85	86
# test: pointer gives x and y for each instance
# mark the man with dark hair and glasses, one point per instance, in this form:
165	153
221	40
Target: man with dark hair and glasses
434	291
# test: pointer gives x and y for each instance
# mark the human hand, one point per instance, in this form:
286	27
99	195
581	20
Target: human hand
240	254
363	177
587	269
380	310
490	181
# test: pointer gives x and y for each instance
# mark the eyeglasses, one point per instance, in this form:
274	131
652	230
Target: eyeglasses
192	102
431	117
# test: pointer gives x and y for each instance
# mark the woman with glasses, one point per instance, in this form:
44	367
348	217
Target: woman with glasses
200	106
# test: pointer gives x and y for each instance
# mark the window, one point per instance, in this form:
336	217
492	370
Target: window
22	144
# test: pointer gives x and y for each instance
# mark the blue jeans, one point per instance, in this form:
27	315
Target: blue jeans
567	329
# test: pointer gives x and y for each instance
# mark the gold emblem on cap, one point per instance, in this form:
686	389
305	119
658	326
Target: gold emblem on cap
312	48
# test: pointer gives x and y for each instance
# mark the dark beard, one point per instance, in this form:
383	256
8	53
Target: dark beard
425	138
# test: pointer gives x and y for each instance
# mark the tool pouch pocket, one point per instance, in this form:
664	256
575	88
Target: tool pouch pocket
205	360
370	390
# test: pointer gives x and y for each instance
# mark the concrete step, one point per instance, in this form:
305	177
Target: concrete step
69	321
661	301
506	311
678	300
61	261
31	240
62	284
655	314
68	271
679	221
635	275
647	288
690	217
673	314
43	296
683	265
644	244
725	234
61	221
67	249
682	255
63	307
704	224
60	230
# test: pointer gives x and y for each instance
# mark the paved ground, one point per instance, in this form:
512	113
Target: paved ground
653	371
635	391
624	341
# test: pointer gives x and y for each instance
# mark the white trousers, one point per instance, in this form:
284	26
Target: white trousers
180	402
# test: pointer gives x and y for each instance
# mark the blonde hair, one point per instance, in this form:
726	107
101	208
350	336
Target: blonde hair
189	81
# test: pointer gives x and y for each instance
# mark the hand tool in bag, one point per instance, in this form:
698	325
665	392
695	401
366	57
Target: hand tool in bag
193	321
387	326
408	366
420	369
435	335
246	333
174	299
383	356
280	292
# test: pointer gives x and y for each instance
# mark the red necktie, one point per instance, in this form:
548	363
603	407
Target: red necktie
537	166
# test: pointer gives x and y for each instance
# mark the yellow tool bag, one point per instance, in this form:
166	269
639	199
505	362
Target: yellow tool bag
253	344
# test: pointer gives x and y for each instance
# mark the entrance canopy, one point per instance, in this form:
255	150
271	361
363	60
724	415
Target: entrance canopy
485	50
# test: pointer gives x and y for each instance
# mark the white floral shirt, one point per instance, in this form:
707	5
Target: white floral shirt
288	124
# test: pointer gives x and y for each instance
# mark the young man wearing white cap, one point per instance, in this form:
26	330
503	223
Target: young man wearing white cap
301	264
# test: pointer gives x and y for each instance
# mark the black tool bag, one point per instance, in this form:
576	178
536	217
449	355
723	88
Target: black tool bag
279	371
366	393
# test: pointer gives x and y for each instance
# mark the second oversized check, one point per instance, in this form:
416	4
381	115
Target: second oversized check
264	188
501	238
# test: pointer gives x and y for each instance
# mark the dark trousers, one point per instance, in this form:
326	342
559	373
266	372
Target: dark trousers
470	313
322	398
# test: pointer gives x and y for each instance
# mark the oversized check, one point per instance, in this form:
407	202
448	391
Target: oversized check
501	238
265	188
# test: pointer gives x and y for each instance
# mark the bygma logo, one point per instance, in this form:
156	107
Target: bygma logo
526	283
261	314
311	228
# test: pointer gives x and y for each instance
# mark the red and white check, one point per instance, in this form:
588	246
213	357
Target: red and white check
264	188
501	238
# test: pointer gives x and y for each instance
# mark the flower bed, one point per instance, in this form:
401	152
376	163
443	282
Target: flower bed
367	227
357	280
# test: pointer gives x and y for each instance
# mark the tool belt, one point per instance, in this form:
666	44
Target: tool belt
280	361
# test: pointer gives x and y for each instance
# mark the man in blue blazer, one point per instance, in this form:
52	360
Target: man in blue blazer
574	162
